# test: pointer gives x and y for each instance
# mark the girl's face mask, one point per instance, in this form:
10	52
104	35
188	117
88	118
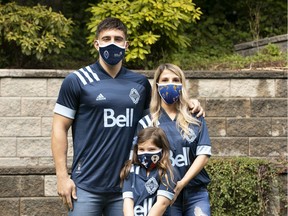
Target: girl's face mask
112	53
170	92
150	159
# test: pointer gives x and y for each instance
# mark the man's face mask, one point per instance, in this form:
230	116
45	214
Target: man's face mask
150	159
112	53
170	92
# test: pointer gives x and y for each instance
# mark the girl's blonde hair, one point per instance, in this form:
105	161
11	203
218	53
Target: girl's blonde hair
159	139
184	117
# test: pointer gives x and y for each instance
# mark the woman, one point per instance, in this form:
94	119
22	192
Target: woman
190	146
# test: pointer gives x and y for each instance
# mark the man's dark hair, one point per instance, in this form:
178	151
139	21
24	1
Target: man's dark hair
111	23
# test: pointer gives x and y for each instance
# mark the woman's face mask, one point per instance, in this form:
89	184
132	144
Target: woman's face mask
112	53
150	159
170	92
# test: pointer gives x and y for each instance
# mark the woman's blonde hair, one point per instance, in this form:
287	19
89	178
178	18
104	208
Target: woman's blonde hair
158	138
184	117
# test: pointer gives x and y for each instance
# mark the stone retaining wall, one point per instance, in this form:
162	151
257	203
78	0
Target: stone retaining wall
250	48
246	113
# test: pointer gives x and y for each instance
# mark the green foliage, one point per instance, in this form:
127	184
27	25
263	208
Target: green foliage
225	23
35	30
239	186
153	25
259	14
269	56
211	40
271	49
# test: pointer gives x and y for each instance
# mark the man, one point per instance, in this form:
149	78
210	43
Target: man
103	103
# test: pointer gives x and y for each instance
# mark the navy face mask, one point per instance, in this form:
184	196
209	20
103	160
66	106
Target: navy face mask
150	159
170	92
112	53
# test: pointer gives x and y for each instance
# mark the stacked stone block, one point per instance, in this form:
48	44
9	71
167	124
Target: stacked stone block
246	113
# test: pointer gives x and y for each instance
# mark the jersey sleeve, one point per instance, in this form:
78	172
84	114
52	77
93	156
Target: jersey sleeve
204	143
68	99
127	190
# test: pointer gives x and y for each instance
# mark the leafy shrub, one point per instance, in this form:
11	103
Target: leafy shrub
153	25
240	186
271	49
32	31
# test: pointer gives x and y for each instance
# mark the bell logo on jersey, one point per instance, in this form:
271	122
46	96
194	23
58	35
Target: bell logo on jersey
180	160
110	120
143	210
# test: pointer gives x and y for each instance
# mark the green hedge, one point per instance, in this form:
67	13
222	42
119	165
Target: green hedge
240	186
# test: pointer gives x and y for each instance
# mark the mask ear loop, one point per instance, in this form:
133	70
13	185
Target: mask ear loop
126	45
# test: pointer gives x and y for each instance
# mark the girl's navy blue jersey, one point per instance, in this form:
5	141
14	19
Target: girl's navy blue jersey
183	151
144	189
105	112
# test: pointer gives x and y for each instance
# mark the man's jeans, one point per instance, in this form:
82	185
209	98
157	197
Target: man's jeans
90	204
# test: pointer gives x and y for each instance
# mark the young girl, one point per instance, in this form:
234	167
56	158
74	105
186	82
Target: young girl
147	187
190	146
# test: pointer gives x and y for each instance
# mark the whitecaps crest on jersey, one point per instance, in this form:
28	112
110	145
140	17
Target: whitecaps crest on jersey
134	95
151	185
191	136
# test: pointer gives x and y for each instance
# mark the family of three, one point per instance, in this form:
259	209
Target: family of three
114	112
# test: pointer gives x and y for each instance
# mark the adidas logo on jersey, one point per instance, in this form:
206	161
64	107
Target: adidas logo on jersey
100	97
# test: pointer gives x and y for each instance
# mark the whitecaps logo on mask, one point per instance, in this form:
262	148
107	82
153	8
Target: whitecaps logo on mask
112	53
150	159
106	54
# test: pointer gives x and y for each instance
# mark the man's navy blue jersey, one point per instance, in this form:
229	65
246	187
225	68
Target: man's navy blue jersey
144	189
105	112
184	151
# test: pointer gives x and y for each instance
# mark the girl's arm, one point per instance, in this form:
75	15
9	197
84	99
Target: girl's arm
160	206
128	207
195	168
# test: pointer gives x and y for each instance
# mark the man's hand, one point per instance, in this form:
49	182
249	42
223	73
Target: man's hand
195	107
67	191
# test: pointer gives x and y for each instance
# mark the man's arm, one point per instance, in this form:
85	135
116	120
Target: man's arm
59	144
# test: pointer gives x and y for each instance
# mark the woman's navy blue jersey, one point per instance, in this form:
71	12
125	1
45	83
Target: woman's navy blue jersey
144	189
183	151
105	112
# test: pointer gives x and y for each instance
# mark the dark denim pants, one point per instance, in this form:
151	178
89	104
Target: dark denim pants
90	204
192	202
